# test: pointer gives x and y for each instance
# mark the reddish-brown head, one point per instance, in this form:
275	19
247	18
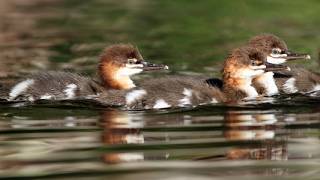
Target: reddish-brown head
267	43
119	62
245	62
240	67
275	48
120	55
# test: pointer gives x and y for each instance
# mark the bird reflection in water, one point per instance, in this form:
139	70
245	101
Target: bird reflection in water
257	126
120	127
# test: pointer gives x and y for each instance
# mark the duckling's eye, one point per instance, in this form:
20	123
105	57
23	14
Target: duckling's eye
253	62
132	61
276	51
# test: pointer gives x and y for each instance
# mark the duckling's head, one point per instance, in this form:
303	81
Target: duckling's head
119	62
275	48
127	58
244	63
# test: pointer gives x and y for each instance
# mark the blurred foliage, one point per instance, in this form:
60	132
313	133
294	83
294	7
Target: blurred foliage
187	35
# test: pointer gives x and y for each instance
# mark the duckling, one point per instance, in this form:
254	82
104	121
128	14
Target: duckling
240	68
117	64
297	80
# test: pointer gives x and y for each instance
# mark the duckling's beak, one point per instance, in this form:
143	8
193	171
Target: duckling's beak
294	56
152	67
276	67
286	56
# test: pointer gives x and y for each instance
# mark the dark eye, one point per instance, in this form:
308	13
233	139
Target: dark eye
276	51
253	62
132	61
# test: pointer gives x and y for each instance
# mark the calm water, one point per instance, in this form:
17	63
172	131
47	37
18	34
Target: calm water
211	142
270	140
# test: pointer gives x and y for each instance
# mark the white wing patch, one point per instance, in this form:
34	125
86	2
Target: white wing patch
214	100
289	86
31	98
316	88
134	95
268	83
160	103
250	91
70	91
46	96
187	98
20	88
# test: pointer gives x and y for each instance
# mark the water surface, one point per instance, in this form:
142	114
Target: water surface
270	140
44	141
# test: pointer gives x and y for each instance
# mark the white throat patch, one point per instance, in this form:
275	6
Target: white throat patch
123	76
247	75
276	59
248	72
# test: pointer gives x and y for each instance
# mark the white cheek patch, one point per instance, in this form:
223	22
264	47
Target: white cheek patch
126	71
134	65
70	91
279	55
134	95
257	73
247	73
187	98
160	103
289	86
261	67
20	88
276	60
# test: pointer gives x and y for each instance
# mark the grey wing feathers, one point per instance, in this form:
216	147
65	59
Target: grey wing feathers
55	85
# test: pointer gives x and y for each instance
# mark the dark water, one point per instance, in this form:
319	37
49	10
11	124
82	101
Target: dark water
270	140
210	142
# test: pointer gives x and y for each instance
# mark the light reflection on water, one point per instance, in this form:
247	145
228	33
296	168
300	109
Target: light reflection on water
208	141
251	141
